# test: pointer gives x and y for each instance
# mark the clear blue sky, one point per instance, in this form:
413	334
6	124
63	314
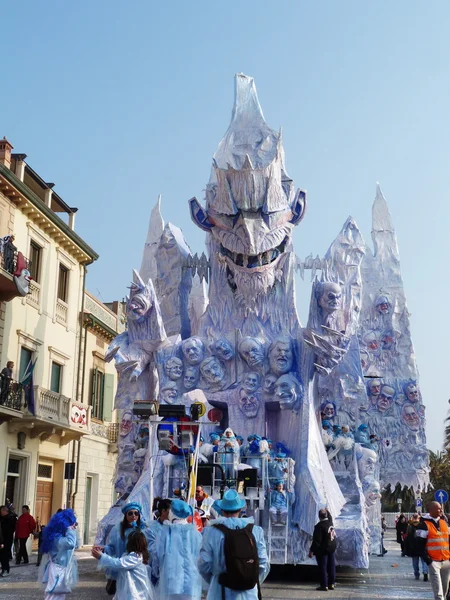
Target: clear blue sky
119	101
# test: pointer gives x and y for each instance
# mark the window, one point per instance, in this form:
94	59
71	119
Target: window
63	282
26	357
35	258
102	397
56	376
45	471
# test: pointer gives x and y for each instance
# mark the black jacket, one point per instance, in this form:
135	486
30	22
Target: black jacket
413	544
8	525
322	542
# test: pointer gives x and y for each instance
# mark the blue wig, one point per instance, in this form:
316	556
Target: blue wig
283	448
56	528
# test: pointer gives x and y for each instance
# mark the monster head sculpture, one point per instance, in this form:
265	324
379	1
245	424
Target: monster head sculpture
251	206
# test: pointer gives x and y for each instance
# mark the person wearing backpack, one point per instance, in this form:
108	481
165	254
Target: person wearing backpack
233	557
323	548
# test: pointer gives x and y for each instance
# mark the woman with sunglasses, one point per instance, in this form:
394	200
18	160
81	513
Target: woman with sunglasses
118	538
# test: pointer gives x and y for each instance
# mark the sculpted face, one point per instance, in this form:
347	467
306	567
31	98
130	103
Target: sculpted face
367	462
328	411
174	368
331	297
169	393
386	398
191	377
269	383
250	382
224	349
371	491
375	387
193	350
249	405
412	392
252	351
23	282
281	357
410	417
212	370
383	305
372	342
126	423
138	306
288	391
387	340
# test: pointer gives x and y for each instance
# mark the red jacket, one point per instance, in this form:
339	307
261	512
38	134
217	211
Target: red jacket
25	526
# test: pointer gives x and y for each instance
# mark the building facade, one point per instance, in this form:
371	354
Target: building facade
56	410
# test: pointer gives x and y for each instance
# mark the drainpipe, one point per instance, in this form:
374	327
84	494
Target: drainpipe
82	372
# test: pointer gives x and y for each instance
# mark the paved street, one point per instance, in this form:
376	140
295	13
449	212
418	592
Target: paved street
382	580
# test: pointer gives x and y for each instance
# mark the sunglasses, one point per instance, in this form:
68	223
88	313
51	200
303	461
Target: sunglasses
132	513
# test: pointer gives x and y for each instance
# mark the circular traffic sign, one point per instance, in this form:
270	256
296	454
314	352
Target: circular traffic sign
441	496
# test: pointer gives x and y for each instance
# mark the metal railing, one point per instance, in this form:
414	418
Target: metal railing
113	432
11	393
8	257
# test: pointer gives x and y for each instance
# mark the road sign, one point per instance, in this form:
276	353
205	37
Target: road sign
441	496
418	502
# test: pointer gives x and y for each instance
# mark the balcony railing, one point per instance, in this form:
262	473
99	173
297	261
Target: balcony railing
59	409
11	393
113	432
34	297
61	311
8	257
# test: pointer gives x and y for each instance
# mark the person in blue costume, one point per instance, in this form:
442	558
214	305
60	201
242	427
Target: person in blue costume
162	506
132	573
117	539
362	435
280	500
58	545
229	453
212	557
174	562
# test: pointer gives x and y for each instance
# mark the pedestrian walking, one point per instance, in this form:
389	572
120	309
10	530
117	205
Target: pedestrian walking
174	562
414	547
162	508
25	526
433	531
59	542
8	522
323	548
233	557
132	580
401	526
118	537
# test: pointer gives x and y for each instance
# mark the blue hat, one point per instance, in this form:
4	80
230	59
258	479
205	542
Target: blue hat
281	455
181	509
214	436
231	502
132	506
363	426
240	438
250	437
326	423
202	439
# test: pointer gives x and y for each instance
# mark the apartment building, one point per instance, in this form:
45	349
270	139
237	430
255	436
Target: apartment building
56	430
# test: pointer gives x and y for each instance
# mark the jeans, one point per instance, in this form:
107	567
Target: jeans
327	569
22	551
415	563
439	578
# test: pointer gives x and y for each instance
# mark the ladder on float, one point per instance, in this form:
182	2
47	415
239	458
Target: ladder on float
275	533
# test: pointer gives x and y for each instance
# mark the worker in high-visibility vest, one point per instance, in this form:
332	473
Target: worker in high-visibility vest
433	531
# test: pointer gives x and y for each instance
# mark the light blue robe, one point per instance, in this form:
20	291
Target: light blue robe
212	559
174	563
62	552
132	576
116	546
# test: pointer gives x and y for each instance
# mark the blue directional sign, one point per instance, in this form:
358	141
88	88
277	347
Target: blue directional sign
441	496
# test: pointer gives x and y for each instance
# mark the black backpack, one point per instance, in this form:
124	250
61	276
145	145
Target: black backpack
241	559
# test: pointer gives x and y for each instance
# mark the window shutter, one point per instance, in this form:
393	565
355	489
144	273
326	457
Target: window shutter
108	397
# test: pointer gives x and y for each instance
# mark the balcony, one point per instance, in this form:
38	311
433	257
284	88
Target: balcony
8	266
55	415
11	399
61	312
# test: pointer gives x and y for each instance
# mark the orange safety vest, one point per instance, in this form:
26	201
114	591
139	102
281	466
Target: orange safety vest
437	541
